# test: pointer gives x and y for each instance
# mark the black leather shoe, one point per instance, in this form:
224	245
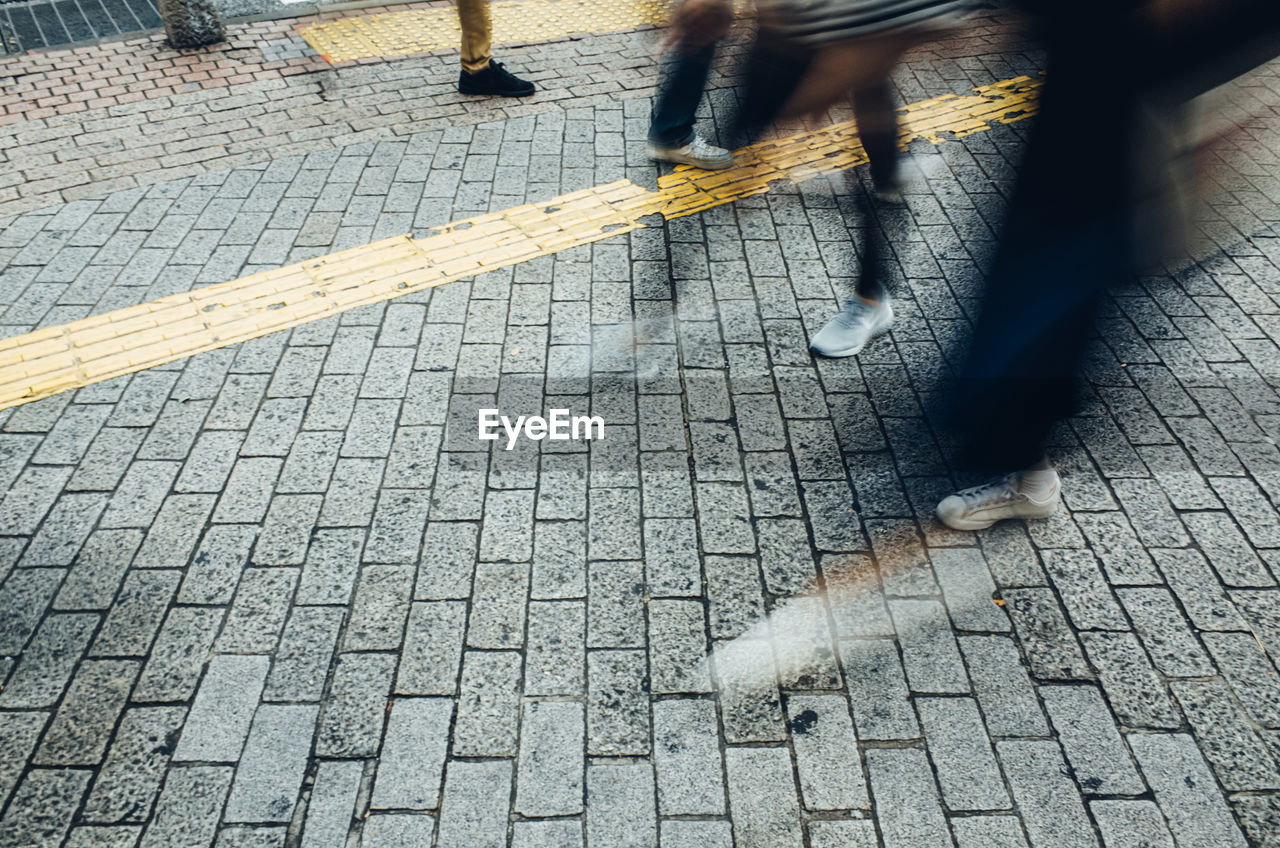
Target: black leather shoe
494	80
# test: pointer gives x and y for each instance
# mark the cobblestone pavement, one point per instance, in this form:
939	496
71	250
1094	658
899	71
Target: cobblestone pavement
279	594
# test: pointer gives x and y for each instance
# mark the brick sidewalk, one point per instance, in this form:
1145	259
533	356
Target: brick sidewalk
278	594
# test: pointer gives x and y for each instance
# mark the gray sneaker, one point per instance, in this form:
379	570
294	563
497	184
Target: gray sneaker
857	323
697	153
980	507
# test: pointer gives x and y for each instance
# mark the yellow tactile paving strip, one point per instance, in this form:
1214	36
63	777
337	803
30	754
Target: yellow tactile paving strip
55	359
523	21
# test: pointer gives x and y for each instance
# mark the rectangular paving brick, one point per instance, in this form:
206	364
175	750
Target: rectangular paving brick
223	709
1184	789
1049	802
906	799
1092	744
550	763
476	803
82	727
410	768
961	753
332	802
620	806
826	752
488	704
355	709
273	764
189	806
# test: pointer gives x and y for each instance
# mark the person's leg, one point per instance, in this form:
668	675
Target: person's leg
877	120
477	34
480	74
675	107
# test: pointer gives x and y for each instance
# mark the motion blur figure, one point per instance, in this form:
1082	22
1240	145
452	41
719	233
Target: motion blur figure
696	26
814	53
1097	173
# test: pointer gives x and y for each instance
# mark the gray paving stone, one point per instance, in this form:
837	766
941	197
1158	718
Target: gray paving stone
1049	802
354	711
826	752
286	531
29	499
907	799
671	558
43	806
1138	697
961	753
682	833
1258	816
988	832
333	561
65	529
258	611
122	836
1092	744
19	732
189	806
968	590
547	834
411	765
331	806
223	709
82	727
1083	589
210	462
1250	675
476	803
215	570
686	758
301	663
620	806
398	830
130	777
1189	577
1225	737
25	596
273	764
550	776
310	464
1173	648
173	535
1004	691
677	647
878	690
1185	790
1049	644
432	651
379	609
488	705
1131	824
617	703
929	653
448	561
247	492
48	661
178	655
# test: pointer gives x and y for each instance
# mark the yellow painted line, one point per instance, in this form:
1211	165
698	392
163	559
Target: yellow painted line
524	21
55	359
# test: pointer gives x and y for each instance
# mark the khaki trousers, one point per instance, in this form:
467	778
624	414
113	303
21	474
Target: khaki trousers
473	15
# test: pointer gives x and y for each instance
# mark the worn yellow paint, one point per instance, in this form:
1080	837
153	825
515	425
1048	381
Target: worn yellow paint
514	21
52	360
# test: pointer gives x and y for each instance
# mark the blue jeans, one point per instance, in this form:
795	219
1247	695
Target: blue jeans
674	110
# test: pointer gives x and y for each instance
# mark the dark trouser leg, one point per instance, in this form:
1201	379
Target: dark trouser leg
676	105
870	285
1065	242
878	130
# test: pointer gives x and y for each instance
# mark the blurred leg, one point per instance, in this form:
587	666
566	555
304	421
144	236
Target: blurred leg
676	106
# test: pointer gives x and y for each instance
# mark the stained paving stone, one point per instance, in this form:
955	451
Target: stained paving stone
129	779
1185	790
1052	810
352	718
189	805
331	806
1091	741
43	806
273	764
1225	737
1131	824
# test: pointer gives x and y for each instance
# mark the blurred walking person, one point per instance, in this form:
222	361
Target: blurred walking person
812	54
696	26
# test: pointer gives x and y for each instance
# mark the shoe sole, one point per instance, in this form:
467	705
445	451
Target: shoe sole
659	156
529	93
852	351
983	524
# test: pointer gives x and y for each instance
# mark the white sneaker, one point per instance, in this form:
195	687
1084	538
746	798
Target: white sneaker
697	153
980	507
857	323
